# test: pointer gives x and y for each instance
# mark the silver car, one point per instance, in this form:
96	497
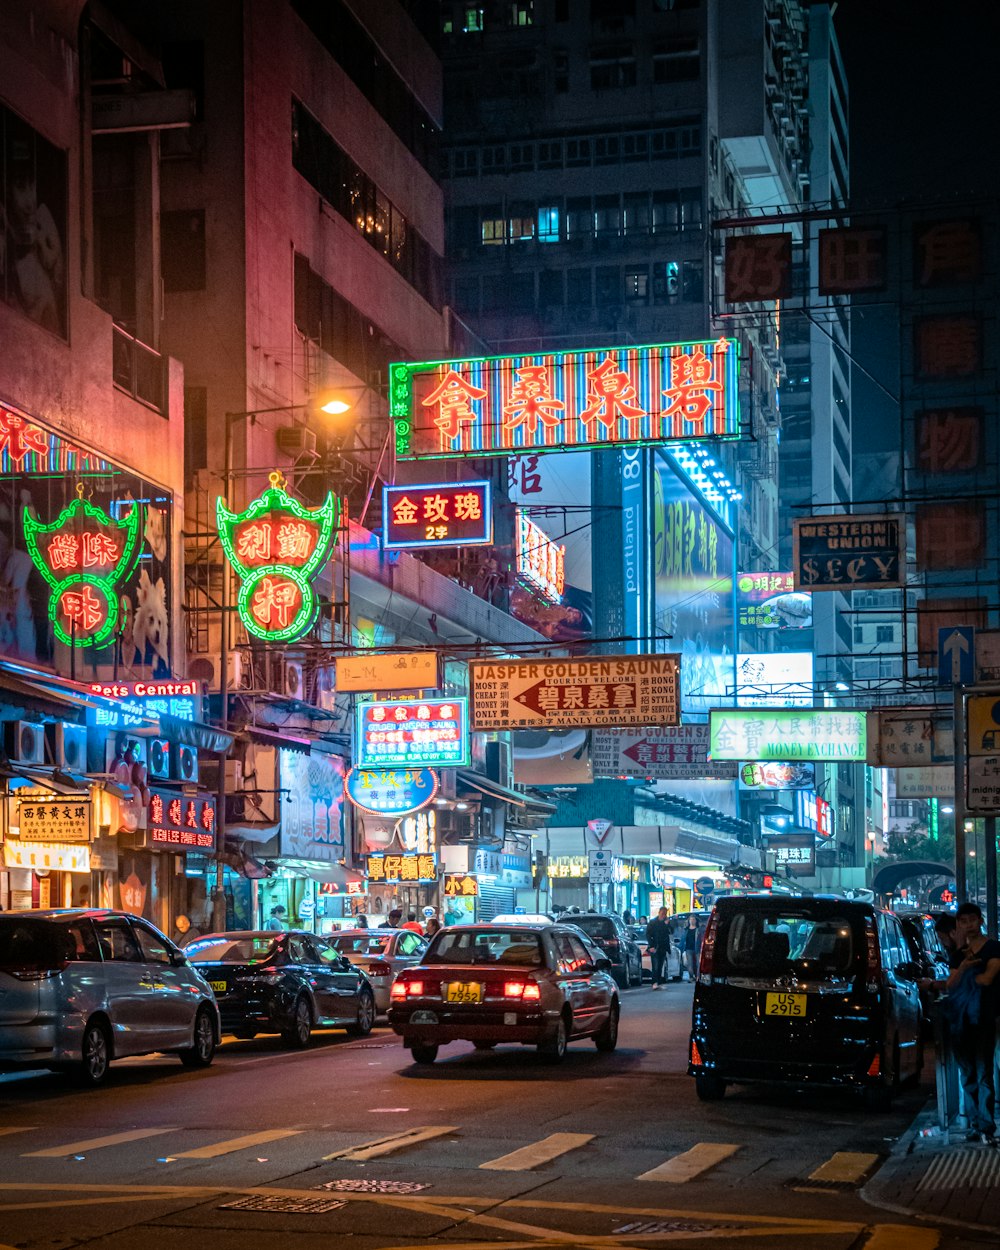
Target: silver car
80	988
381	953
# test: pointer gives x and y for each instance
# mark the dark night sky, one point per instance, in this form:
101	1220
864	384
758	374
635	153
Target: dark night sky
924	85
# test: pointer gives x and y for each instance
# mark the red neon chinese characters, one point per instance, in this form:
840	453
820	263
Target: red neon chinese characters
435	508
531	401
612	398
19	439
295	542
64	552
156	809
405	512
468	507
275	602
453	398
174	811
207	817
254	542
99	549
693	377
83	609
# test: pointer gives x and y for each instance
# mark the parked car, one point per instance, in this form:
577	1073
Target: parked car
382	954
540	984
675	965
928	954
805	991
79	988
283	982
616	942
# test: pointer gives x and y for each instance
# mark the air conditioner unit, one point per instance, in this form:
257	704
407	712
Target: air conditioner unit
286	679
206	668
26	742
187	763
296	440
159	757
70	747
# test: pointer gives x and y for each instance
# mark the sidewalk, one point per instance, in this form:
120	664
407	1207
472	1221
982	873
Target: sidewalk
932	1177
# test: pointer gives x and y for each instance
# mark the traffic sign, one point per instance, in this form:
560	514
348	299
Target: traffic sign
956	655
704	885
599	829
982	735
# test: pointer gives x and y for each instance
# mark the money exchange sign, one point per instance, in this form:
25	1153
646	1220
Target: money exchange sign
787	734
849	552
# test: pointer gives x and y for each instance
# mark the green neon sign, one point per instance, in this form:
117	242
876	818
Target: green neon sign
807	733
84	555
277	546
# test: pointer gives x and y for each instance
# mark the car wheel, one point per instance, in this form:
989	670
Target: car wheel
606	1039
709	1087
299	1031
423	1054
362	1026
95	1055
202	1050
554	1049
484	1045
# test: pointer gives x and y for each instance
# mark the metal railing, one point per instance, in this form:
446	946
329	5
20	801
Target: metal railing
138	370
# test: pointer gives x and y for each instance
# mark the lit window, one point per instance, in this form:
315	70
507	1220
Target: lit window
473	19
637	287
521	228
548	225
493	230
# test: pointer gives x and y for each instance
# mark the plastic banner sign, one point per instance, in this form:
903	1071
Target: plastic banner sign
787	734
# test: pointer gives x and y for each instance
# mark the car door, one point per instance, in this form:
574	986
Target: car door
127	983
908	998
172	1007
572	960
304	967
339	978
596	995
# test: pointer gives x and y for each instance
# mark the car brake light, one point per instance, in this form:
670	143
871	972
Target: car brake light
398	990
696	1059
513	989
379	969
531	992
414	989
708	948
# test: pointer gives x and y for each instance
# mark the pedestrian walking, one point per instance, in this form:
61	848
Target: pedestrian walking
392	921
658	941
973	1005
413	924
277	918
690	950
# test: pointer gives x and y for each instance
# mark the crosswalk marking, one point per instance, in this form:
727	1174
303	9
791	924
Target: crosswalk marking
96	1143
237	1143
7	1129
685	1167
844	1168
538	1152
392	1142
903	1237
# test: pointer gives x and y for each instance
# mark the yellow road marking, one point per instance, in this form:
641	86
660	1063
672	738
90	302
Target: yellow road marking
392	1142
238	1143
538	1152
96	1143
844	1168
902	1237
685	1167
23	1128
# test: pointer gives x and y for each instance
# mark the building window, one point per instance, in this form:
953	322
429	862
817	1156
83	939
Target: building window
885	633
606	150
693	282
548	224
494	231
666	211
522	227
637	218
520	13
859	635
607	216
666	282
637	286
690	208
579	218
550	154
522	156
465	163
612	66
577	151
560	71
676	59
182	249
473	20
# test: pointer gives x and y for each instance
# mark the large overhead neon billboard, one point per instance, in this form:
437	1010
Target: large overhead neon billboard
565	401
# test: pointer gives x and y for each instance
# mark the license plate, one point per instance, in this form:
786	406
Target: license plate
791	1005
464	992
423	1017
220	987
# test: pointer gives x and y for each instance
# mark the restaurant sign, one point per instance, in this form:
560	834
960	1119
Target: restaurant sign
395	869
391	791
413	733
178	822
787	734
565	401
849	552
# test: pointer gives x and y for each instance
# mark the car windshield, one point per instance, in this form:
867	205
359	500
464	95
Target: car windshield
361	944
250	948
595	926
772	943
519	947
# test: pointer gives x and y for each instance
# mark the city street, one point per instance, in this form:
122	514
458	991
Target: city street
605	1150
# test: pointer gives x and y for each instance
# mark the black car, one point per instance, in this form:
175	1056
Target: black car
805	991
927	953
287	983
615	941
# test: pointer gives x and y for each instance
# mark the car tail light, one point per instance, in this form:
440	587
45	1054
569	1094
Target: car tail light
398	991
873	956
37	973
875	1067
379	969
696	1059
532	993
708	949
526	991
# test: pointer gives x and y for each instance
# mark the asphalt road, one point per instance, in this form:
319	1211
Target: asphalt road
494	1149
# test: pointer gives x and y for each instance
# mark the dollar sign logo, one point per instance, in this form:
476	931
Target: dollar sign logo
810	572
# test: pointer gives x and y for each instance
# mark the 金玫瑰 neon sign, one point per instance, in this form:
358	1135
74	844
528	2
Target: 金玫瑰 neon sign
441	514
609	396
277	546
84	555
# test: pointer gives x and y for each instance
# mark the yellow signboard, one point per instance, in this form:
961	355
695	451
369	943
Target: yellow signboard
46	855
366	674
53	818
983	724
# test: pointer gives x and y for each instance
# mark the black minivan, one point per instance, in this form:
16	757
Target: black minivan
805	991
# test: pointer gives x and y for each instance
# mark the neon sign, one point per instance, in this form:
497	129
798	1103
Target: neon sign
434	733
277	546
390	791
541	563
442	514
177	820
504	405
84	555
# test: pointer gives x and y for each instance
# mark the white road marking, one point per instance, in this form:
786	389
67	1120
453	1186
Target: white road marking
692	1163
388	1145
538	1152
238	1143
96	1143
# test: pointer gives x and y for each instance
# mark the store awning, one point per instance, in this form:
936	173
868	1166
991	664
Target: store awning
327	874
268	737
494	790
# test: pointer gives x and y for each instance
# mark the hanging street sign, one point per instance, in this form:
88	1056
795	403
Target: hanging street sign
540	563
849	552
391	791
982	784
770	601
47	817
415	733
84	555
600	865
674	752
439	514
460	885
910	737
367	674
817	733
575	401
934	782
176	820
956	655
574	694
392	869
276	547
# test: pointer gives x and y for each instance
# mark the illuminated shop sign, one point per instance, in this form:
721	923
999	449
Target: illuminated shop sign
48	856
787	734
391	791
541	563
52	819
609	396
84	555
770	601
395	869
136	701
460	884
437	515
176	821
425	732
276	547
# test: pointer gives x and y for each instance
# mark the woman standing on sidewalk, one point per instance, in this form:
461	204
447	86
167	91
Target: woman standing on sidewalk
975	1040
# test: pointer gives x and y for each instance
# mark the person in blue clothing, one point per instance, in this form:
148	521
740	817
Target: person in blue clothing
975	986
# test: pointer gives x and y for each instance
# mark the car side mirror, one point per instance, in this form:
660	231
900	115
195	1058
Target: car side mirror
345	964
178	959
602	964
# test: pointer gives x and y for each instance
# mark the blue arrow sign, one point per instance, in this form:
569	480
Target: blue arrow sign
956	655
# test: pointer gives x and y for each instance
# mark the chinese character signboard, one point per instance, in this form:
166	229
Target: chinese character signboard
412	734
541	563
770	601
438	515
910	737
508	405
849	552
276	547
951	535
758	267
460	885
84	555
400	869
949	440
852	259
391	791
787	734
409	670
672	753
949	346
569	694
794	853
180	822
52	819
946	253
137	701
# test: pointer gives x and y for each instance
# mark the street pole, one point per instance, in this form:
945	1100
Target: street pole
219	891
960	873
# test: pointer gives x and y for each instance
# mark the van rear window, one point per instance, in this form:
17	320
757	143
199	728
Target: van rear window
771	943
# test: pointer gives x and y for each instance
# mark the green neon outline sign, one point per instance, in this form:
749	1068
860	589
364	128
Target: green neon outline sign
276	500
105	581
